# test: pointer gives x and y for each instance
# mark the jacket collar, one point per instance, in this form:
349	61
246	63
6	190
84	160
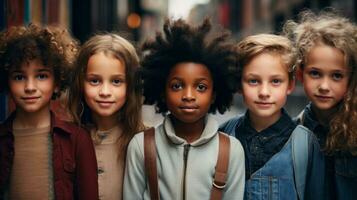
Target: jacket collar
55	123
210	130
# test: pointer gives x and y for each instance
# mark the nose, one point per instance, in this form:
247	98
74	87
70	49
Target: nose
264	91
324	85
30	85
188	95
105	90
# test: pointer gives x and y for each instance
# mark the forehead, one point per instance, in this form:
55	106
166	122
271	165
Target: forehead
327	56
266	64
104	64
31	65
190	70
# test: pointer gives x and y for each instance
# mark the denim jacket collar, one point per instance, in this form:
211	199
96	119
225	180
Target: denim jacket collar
277	128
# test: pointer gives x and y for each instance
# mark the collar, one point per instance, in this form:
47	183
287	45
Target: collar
310	120
282	125
56	123
209	131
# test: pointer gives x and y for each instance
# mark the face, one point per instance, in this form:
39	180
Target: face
265	86
189	92
31	86
105	86
325	77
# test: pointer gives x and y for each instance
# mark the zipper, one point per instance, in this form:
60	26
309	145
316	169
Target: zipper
186	149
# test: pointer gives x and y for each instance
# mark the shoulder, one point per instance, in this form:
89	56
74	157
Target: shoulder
236	146
69	128
229	126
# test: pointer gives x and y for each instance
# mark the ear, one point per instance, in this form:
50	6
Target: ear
291	86
240	90
213	99
299	74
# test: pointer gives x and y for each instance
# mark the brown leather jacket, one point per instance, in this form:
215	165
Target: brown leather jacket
74	161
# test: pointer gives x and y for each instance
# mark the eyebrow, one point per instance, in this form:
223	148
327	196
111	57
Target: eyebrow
114	75
39	70
44	70
257	75
197	79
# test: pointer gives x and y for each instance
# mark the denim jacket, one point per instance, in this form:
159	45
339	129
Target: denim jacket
74	161
341	169
275	179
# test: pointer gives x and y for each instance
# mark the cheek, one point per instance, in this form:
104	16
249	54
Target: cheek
89	92
121	93
341	89
247	93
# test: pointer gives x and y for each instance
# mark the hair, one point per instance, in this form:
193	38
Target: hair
130	114
328	28
54	47
255	45
181	42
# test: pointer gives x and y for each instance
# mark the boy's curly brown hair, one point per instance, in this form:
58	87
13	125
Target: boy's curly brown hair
54	47
182	42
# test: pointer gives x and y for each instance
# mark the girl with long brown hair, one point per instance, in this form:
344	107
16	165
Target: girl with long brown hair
105	100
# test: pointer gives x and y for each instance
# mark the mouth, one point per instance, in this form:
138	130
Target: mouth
105	103
30	99
263	104
188	108
323	98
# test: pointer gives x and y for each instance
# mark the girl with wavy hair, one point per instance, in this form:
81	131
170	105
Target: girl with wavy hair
327	56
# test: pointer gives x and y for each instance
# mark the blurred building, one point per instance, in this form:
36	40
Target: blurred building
138	20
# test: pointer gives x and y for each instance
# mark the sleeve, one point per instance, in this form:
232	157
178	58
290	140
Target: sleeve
314	188
236	172
86	168
134	177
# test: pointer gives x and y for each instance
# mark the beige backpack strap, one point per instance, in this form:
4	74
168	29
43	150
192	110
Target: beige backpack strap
220	176
150	163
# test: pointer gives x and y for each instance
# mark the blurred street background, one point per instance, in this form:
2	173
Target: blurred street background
138	20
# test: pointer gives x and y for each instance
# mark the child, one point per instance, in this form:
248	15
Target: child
104	98
327	45
41	156
266	131
187	74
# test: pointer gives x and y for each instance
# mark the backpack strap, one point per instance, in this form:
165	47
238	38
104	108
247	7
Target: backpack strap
220	176
150	163
300	154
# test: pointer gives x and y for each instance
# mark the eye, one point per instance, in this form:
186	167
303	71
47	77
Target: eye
94	81
201	87
176	86
18	77
252	82
314	74
42	76
276	81
117	82
337	76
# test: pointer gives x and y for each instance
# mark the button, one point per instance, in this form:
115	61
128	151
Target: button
100	171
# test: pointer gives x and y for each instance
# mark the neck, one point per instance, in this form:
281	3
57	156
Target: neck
188	131
105	123
324	116
23	119
260	123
